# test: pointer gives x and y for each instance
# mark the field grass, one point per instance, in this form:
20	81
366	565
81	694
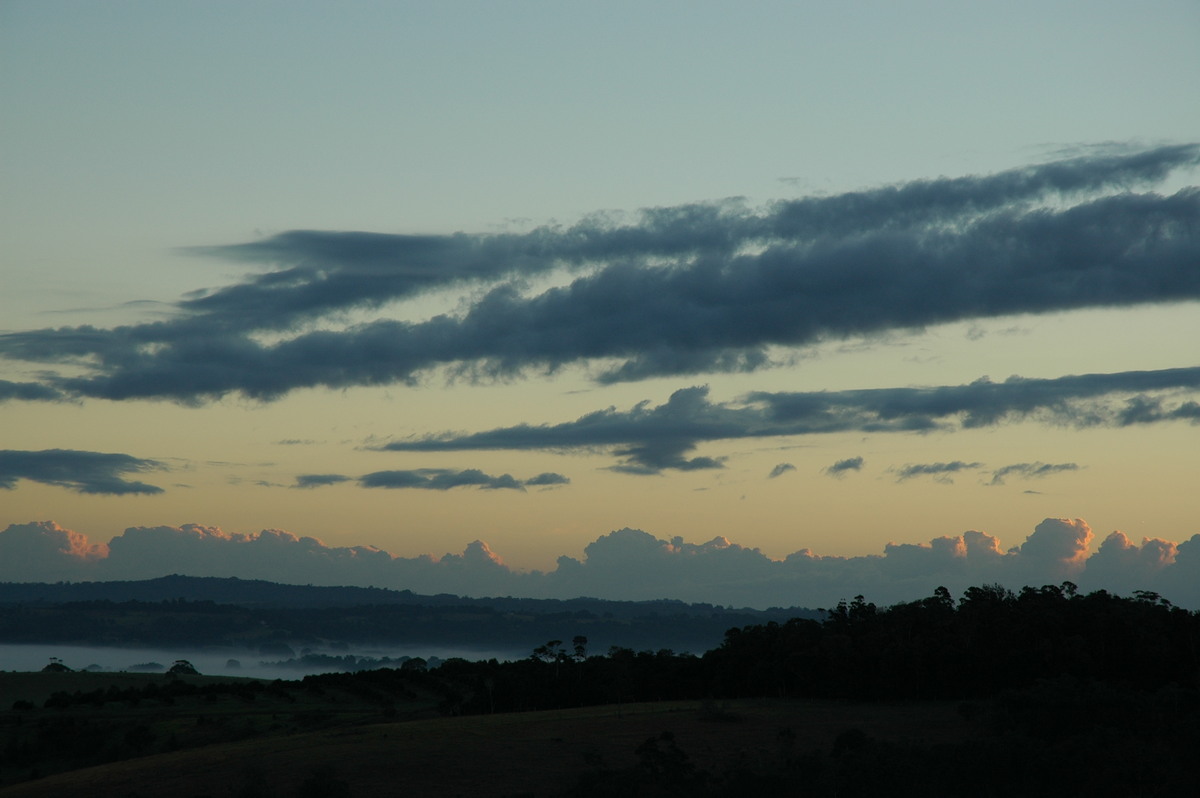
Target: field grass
36	687
535	753
109	717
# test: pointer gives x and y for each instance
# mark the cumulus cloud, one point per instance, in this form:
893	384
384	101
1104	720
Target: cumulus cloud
627	564
841	467
780	470
679	290
197	550
1122	566
650	439
83	472
44	551
1057	551
1030	471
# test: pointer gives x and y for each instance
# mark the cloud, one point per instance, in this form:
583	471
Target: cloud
547	479
1079	400
680	290
82	472
1123	566
44	551
1149	410
1030	471
439	479
197	550
1057	545
433	479
319	480
780	470
649	440
627	564
939	471
28	391
840	468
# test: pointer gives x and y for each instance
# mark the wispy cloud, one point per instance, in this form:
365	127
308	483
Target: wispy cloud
445	479
679	290
1030	471
319	480
780	470
650	439
547	480
841	467
941	472
434	479
83	472
438	479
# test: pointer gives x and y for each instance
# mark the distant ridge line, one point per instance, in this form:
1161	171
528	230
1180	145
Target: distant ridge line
253	593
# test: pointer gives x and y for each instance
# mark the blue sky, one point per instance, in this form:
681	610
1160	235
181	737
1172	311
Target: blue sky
410	275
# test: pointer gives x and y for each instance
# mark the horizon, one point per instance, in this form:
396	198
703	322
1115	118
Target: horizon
626	565
802	298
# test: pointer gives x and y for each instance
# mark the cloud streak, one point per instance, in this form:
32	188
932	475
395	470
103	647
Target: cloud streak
649	440
842	467
941	472
434	479
680	290
439	479
1030	471
319	480
82	472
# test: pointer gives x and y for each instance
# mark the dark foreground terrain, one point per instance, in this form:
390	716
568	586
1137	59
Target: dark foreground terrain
596	750
1045	692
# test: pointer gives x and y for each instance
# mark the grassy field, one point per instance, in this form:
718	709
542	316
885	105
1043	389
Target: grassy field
57	722
37	687
536	753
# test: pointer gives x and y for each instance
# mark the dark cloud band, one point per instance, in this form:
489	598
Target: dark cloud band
683	290
28	391
83	472
435	479
651	439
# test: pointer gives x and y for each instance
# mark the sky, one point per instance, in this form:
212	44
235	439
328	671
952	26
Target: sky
766	304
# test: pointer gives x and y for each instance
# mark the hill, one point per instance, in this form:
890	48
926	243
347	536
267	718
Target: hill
253	615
